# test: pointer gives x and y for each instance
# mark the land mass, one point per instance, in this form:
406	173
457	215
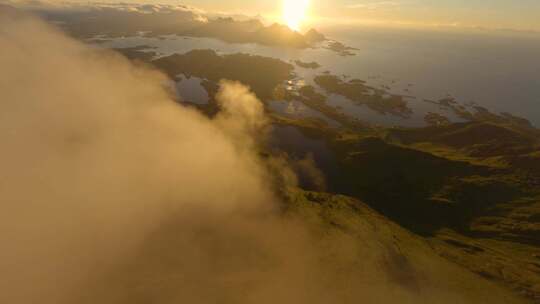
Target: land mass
470	190
358	248
307	65
362	94
245	68
466	195
110	22
341	48
474	112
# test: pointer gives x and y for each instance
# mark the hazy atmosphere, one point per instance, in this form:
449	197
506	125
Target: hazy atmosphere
269	152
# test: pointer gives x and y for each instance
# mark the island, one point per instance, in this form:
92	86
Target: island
359	92
107	22
307	65
207	64
474	112
341	48
469	190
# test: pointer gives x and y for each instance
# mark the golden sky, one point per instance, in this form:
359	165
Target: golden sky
523	15
495	14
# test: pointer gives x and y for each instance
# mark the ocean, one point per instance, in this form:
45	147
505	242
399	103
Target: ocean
496	70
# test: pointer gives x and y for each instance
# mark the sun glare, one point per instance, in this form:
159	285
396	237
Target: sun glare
294	12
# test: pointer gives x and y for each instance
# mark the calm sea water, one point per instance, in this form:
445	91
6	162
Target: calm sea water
498	71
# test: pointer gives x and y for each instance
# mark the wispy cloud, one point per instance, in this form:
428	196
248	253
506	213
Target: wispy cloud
374	5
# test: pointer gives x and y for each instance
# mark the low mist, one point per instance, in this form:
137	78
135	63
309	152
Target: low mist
111	192
95	154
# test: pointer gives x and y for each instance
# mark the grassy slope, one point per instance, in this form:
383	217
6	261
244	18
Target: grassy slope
398	256
358	256
472	189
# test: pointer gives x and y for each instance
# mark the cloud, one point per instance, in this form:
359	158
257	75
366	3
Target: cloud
245	114
374	5
95	154
184	11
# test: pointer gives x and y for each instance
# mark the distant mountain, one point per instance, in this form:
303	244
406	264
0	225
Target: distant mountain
278	34
312	36
154	20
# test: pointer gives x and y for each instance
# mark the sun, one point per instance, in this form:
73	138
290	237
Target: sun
294	12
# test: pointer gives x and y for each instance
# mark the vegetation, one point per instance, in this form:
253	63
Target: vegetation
357	91
436	119
471	190
245	68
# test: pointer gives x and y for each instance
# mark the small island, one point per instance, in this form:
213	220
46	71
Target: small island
307	65
474	112
101	24
357	91
341	48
